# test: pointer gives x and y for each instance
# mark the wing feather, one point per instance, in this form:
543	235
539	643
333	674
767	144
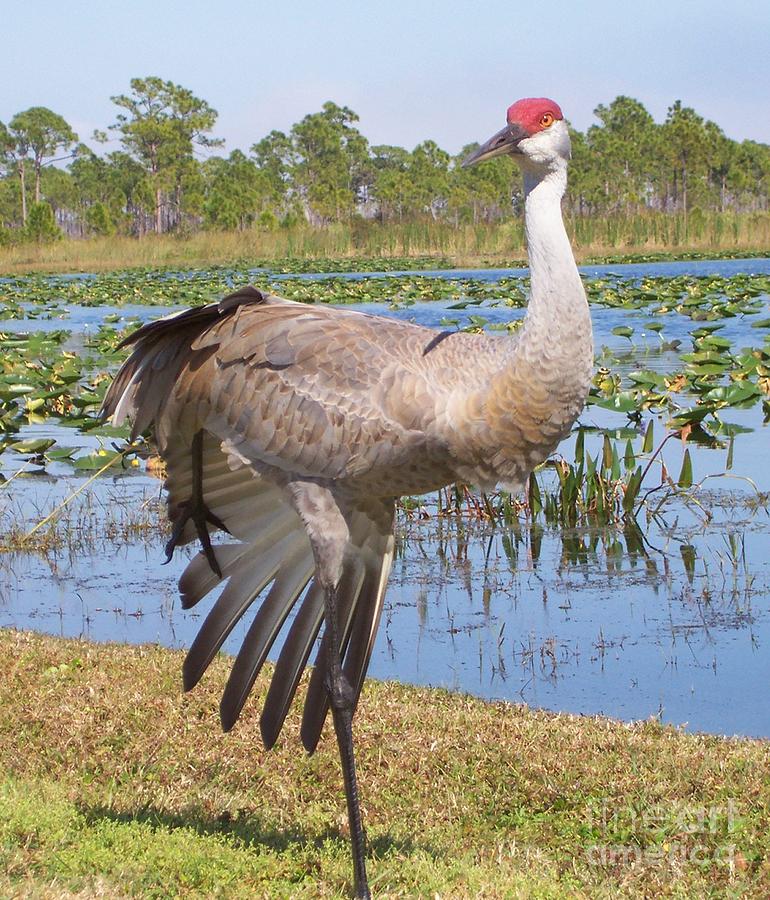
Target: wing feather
244	585
288	585
281	391
288	669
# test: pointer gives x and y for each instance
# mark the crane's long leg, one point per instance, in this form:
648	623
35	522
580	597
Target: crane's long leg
196	509
342	701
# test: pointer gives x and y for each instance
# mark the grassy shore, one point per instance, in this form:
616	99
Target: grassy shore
114	784
607	238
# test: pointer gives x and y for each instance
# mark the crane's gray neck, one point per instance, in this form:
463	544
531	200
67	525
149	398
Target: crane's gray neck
555	345
556	292
540	388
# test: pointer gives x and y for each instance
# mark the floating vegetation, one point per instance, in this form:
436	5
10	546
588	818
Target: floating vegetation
704	298
700	298
42	380
713	377
159	288
58	376
671	256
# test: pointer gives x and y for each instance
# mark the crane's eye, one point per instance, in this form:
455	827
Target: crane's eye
546	120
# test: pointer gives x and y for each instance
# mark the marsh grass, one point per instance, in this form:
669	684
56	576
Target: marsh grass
88	522
115	784
606	490
461	245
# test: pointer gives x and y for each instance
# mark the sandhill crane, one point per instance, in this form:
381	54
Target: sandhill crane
295	428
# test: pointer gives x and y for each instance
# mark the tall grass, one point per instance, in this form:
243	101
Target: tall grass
660	232
462	244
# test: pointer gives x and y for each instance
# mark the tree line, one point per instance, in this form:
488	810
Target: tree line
167	177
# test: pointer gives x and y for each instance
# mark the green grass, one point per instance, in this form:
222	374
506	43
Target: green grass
114	784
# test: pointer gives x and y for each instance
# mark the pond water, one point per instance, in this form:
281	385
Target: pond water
585	620
668	269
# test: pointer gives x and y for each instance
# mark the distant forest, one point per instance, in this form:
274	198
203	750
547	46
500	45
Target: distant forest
166	176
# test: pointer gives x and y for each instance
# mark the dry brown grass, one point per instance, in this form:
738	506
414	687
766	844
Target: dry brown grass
464	245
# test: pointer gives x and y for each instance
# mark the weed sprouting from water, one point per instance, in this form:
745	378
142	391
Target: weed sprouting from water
92	522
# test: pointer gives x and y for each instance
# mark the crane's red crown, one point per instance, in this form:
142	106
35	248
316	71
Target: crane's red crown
534	113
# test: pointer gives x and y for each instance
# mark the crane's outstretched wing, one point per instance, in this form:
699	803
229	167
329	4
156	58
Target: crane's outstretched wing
273	549
197	373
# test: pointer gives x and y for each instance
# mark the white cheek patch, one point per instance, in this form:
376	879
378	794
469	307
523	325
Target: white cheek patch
541	147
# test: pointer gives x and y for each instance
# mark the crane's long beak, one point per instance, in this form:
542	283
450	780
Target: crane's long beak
505	141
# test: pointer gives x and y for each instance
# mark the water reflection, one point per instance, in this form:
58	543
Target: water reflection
591	621
673	623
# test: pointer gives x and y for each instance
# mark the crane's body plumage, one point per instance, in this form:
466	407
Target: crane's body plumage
295	428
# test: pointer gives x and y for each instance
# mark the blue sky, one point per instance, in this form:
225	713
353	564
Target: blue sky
411	70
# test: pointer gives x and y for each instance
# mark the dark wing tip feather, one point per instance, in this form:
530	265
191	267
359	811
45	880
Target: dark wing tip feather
229	715
190	676
187	601
316	703
247	294
291	662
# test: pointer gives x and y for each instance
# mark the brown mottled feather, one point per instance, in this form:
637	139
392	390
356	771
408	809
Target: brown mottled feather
372	408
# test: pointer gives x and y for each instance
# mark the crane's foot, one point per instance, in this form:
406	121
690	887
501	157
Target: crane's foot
342	701
340	691
201	516
195	510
